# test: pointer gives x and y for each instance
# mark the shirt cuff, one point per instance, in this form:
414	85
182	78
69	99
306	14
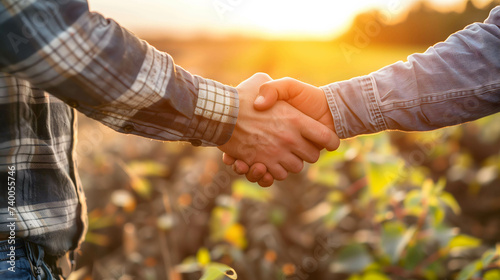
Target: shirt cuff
215	114
355	107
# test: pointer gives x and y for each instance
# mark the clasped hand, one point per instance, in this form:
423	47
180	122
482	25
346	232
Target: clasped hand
273	138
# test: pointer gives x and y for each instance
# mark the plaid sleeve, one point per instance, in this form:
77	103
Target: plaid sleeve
106	72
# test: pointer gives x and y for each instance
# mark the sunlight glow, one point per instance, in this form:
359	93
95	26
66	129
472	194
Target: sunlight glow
276	19
313	19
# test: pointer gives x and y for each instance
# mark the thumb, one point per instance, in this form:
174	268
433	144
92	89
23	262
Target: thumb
282	89
268	96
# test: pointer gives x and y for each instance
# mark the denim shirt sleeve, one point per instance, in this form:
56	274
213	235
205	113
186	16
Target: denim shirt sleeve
451	83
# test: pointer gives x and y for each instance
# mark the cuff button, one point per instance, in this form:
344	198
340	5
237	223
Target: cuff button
195	142
128	128
72	103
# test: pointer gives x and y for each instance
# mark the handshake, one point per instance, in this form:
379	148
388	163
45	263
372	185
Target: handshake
272	138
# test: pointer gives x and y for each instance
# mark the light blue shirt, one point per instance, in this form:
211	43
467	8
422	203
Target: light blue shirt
451	83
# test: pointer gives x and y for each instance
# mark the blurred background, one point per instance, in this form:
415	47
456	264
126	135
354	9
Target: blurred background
387	206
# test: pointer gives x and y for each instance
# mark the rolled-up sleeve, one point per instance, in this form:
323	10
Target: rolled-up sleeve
107	73
453	82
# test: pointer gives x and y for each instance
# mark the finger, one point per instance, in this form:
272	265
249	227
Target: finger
319	134
257	172
292	163
240	167
227	159
281	89
307	151
278	172
266	181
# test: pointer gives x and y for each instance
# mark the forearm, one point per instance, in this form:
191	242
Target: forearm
109	74
453	82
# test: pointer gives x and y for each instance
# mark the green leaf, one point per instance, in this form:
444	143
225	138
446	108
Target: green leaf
244	189
395	237
188	265
352	259
450	201
464	241
492	275
427	187
142	187
372	275
217	271
443	234
203	256
418	175
335	197
467	272
433	270
488	257
355	277
440	185
381	173
97	238
413	203
220	220
97	221
147	168
336	215
330	178
437	215
329	160
414	256
277	216
324	170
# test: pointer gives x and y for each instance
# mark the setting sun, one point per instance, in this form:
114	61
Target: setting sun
278	19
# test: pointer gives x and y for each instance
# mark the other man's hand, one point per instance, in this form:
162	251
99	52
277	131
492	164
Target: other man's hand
279	138
309	99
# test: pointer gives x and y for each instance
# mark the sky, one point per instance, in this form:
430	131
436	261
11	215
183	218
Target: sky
271	19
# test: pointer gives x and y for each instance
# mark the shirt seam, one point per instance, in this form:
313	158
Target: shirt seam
369	89
338	121
436	98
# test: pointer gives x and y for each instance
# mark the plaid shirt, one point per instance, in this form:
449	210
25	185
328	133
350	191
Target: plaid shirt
57	53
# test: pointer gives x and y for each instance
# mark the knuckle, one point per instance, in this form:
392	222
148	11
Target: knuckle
289	81
289	140
297	167
324	135
265	183
337	144
296	117
259	171
235	169
315	156
265	87
334	144
262	75
251	178
280	176
241	168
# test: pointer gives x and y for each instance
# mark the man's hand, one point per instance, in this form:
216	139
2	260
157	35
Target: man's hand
309	99
280	138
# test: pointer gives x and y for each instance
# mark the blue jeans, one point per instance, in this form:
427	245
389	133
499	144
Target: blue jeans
23	260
